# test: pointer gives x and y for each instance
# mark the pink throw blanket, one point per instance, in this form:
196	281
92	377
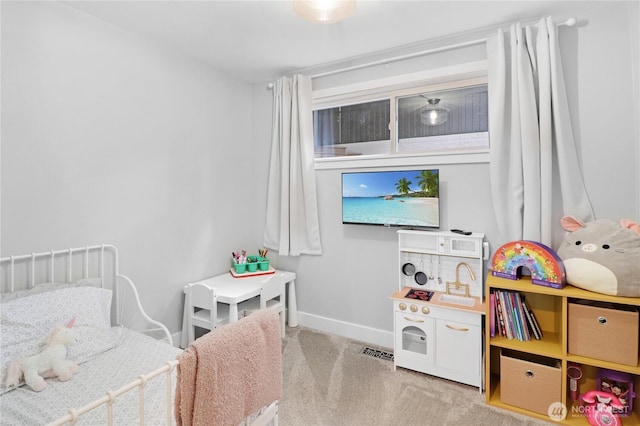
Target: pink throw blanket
231	372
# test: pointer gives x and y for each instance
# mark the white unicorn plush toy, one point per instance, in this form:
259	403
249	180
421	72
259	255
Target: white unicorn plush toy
49	363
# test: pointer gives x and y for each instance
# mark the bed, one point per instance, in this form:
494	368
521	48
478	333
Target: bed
127	362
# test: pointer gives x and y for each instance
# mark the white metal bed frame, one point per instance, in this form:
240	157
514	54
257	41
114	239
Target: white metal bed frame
34	269
90	267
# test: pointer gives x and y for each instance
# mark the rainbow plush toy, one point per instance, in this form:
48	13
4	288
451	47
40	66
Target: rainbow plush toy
545	266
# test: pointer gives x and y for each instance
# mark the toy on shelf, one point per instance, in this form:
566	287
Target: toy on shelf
599	408
602	255
620	385
574	372
545	266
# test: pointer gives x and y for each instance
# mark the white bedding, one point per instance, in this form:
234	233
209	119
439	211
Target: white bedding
136	354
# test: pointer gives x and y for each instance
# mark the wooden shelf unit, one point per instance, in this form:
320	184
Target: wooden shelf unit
551	309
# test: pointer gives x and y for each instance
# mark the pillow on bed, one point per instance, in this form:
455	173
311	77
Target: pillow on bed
44	287
27	321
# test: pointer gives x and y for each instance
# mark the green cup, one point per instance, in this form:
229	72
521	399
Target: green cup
240	268
263	264
252	267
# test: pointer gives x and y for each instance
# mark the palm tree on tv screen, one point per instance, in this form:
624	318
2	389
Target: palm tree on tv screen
403	186
428	183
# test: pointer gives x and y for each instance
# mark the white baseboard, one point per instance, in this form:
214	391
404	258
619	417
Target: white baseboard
349	330
374	336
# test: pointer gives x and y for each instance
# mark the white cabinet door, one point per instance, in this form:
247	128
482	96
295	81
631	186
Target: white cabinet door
458	347
414	341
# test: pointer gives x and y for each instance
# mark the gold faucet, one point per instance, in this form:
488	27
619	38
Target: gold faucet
457	284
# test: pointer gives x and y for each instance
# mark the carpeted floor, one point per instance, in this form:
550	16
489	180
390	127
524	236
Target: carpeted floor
329	382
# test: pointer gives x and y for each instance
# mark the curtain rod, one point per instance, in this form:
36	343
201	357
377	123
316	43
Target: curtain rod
568	22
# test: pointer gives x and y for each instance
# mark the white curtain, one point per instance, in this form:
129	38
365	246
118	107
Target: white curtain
292	226
529	121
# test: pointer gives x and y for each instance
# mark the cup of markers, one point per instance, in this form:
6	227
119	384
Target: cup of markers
263	262
252	263
239	261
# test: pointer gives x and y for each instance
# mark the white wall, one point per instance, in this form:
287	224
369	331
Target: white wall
604	48
634	51
107	138
346	290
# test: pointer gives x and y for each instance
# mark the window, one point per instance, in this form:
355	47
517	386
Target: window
416	121
352	129
449	120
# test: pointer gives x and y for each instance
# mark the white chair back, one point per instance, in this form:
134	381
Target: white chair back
272	296
204	311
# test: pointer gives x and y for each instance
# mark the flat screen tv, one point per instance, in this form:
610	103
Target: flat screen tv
409	198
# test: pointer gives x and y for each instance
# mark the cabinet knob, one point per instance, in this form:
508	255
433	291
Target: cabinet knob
425	310
413	308
402	306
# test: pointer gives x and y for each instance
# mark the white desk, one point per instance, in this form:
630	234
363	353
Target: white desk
233	291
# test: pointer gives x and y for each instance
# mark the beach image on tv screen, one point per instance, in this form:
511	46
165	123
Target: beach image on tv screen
403	198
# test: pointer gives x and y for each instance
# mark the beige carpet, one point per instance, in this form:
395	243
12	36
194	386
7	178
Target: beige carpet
329	382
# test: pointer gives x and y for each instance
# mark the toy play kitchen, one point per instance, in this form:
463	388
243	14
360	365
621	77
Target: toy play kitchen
438	307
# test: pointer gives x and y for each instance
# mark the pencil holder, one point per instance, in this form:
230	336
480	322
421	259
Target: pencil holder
252	263
240	268
263	264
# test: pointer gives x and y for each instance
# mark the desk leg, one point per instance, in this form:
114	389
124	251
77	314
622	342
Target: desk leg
233	312
184	336
292	305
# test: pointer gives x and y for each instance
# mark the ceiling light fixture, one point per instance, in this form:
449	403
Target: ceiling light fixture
434	114
324	11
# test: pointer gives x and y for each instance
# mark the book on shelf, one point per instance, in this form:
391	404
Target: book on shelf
535	323
531	320
492	315
507	314
517	321
501	327
524	329
513	317
517	328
